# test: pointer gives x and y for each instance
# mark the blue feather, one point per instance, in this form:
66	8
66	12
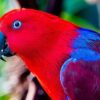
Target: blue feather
86	46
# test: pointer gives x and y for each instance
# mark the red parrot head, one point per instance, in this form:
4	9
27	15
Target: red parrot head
22	28
34	29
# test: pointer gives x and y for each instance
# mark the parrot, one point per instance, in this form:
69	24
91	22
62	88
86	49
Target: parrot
64	57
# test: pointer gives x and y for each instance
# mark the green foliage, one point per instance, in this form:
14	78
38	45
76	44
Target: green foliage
5	97
3	4
78	21
42	4
73	6
2	63
7	5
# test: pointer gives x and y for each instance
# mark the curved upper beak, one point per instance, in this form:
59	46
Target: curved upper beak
2	41
4	48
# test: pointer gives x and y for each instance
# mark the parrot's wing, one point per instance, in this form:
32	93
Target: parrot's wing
81	79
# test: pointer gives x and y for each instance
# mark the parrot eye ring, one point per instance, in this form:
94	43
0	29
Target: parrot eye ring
17	24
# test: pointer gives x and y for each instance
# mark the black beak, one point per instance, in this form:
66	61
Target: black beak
4	48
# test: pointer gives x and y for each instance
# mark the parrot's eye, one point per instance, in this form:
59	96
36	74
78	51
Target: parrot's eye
17	24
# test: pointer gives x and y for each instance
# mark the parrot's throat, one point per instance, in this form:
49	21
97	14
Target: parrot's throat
47	70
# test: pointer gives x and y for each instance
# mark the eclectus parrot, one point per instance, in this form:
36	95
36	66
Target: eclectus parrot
64	57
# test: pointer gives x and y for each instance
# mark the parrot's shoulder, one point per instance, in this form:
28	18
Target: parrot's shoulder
85	46
83	66
76	77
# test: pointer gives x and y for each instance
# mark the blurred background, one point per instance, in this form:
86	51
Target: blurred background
16	82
